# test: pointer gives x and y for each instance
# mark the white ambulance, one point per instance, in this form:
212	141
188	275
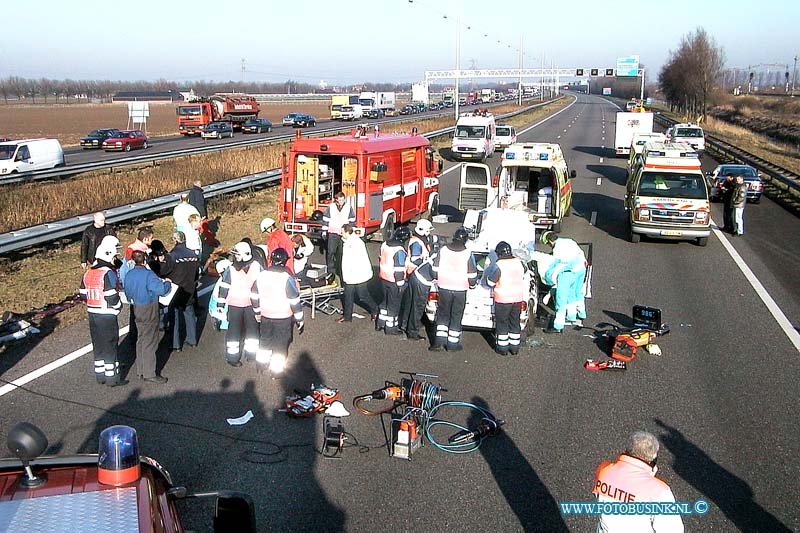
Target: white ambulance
474	137
666	195
532	177
638	142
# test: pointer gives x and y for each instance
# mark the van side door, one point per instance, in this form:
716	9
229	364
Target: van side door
476	190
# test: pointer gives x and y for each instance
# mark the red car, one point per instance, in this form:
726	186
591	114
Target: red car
125	140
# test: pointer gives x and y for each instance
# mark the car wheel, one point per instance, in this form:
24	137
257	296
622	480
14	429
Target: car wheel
127	147
388	228
313	123
145	146
435	207
702	241
635	237
757	200
269	130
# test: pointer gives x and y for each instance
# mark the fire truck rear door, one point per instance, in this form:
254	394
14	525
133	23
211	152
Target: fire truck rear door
411	185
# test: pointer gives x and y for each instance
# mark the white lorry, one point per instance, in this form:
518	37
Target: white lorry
351	112
28	155
488	227
627	125
475	136
370	100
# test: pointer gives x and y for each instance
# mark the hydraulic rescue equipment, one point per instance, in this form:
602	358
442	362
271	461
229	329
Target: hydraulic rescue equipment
625	343
421	400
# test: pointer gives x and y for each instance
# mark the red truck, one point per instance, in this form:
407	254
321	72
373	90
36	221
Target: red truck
233	108
114	490
387	179
473	97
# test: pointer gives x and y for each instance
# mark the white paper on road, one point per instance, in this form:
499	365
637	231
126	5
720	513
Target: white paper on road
244	419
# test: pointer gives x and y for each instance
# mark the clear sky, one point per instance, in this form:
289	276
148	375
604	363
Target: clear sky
348	41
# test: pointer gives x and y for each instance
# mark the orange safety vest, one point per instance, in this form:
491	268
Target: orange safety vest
411	267
629	480
453	271
241	285
387	265
338	218
272	294
510	288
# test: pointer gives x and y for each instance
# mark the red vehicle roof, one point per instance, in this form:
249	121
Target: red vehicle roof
367	144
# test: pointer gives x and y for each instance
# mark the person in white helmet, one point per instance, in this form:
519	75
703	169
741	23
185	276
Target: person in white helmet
99	289
420	252
235	292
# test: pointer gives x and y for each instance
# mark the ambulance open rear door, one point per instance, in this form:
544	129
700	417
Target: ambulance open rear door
476	190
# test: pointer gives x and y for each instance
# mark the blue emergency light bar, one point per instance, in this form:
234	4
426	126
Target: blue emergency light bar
544	157
656	153
691	154
510	155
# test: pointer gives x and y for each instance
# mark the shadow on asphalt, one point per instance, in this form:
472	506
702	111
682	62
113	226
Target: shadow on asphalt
611	216
614	174
526	494
731	494
595	150
186	432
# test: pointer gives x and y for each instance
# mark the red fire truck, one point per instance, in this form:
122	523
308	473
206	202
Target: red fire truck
387	179
233	108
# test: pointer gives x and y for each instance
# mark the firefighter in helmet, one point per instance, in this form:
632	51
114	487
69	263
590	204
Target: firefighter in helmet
276	303
420	252
392	272
234	291
506	277
456	272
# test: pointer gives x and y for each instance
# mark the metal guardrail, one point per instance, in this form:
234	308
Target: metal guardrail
774	173
72	170
34	235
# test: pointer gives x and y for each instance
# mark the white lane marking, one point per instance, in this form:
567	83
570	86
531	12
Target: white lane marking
565	131
612	103
63	360
600	180
594	217
761	291
601	159
603	139
558	137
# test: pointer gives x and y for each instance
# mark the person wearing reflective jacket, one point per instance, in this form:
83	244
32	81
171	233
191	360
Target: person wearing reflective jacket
392	271
566	274
276	302
506	276
420	251
632	478
100	290
235	289
456	271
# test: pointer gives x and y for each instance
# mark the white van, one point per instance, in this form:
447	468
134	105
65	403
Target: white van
351	112
690	134
28	155
474	137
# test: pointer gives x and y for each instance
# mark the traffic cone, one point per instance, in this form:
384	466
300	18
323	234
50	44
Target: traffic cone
299	207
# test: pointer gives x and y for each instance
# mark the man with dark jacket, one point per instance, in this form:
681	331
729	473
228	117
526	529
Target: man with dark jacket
727	198
182	268
198	200
738	201
143	287
92	236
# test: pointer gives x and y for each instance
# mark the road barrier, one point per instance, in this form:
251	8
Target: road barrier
43	233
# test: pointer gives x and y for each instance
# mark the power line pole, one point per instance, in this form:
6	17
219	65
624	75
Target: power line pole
794	74
244	69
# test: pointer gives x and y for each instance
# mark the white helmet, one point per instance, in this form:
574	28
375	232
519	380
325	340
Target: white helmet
267	223
424	227
222	265
242	251
108	249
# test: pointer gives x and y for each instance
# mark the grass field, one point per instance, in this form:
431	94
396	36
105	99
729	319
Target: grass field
69	123
39	276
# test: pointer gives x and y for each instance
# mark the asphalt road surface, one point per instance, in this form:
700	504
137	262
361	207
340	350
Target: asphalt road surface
721	397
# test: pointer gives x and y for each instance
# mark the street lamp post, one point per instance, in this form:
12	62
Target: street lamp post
794	74
458	57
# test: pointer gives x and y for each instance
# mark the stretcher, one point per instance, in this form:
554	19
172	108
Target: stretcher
318	298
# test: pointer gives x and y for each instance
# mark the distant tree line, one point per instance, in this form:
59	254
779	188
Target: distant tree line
49	90
692	73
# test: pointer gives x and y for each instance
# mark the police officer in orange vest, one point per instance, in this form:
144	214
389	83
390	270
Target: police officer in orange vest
235	288
392	271
506	278
415	296
337	214
277	306
100	290
632	478
456	272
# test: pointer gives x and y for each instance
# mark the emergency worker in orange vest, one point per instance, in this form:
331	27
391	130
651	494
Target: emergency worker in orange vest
506	277
392	271
336	215
632	478
235	288
456	272
277	306
420	250
100	290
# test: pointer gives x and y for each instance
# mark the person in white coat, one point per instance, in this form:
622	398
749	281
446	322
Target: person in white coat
356	274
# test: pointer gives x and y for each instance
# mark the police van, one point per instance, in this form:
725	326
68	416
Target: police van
532	177
666	195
